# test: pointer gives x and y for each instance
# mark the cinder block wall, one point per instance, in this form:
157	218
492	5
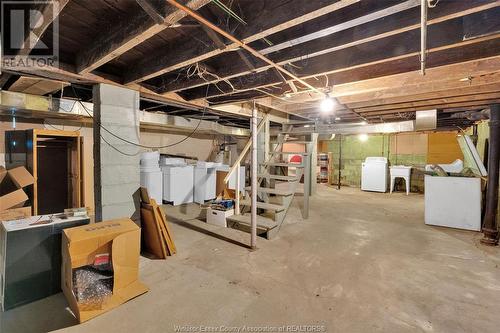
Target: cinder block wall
116	163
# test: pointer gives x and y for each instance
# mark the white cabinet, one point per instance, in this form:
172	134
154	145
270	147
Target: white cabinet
205	178
178	184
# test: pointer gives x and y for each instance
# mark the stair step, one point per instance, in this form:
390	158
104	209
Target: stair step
290	141
268	190
288	153
262	222
263	205
283	164
279	177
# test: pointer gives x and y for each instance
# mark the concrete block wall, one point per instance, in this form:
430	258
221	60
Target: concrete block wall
116	163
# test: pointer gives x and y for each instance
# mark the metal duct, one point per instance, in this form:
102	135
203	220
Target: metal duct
425	120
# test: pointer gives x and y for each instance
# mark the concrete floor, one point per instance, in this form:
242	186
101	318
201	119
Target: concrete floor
363	262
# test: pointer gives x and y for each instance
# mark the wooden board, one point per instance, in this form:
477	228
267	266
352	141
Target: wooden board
153	244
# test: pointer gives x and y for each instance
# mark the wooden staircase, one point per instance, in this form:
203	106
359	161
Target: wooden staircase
277	186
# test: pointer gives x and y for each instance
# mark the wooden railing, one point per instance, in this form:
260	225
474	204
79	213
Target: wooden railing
237	163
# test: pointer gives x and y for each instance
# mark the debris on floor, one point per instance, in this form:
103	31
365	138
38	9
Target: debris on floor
86	275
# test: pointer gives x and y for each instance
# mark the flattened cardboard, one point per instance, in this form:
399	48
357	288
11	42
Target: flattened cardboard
13	200
21	177
15	213
80	246
3	173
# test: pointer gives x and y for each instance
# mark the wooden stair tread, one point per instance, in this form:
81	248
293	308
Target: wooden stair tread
263	205
262	222
283	164
279	177
271	191
288	153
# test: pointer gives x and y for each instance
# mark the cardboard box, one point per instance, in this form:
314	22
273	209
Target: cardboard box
82	245
30	257
15	213
218	217
19	178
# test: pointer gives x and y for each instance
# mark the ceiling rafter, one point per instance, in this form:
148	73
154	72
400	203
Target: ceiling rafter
128	34
343	36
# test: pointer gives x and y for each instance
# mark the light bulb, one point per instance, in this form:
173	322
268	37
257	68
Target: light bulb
363	137
327	104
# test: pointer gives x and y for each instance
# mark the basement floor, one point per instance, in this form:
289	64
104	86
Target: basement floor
363	262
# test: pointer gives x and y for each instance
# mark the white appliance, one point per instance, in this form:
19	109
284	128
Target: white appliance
456	201
205	178
374	174
400	171
178	183
151	176
453	202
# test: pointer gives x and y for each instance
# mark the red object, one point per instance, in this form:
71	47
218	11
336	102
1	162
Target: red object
296	159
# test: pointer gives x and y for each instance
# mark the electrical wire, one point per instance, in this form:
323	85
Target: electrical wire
134	143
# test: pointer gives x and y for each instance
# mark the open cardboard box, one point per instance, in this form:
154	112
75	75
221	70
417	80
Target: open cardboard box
12	183
122	239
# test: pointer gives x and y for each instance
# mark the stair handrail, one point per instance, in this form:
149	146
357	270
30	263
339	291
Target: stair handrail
245	151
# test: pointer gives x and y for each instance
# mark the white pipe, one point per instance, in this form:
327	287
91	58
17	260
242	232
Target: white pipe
423	35
253	238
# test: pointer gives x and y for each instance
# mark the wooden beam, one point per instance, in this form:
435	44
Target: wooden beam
289	15
345	68
474	76
433	101
66	72
347	38
445	105
466	91
127	35
48	14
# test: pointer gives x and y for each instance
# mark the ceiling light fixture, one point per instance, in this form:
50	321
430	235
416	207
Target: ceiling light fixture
327	104
363	137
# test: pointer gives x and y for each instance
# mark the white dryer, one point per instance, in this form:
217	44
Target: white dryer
374	174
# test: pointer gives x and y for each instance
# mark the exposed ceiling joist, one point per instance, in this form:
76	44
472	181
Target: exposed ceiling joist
349	37
49	13
127	35
342	69
291	15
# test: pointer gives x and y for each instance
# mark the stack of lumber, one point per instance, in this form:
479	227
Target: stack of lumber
157	236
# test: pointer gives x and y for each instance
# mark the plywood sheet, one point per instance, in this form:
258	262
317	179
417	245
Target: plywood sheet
443	148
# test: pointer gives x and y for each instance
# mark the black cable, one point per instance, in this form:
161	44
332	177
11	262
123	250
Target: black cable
138	144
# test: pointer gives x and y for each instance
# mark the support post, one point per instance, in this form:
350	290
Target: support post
307	184
490	223
253	237
423	35
237	192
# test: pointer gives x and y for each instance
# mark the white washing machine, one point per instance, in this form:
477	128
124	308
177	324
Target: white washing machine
374	174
